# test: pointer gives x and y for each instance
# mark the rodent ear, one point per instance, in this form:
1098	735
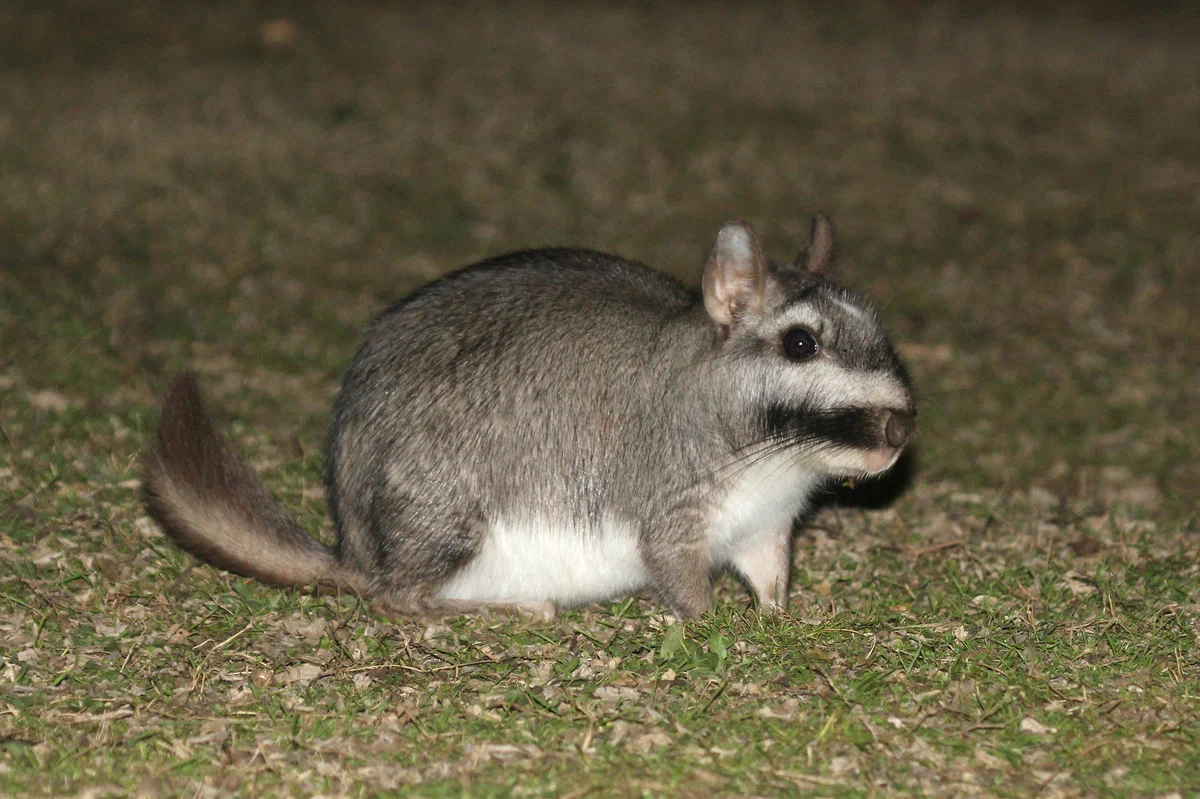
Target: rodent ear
817	254
735	276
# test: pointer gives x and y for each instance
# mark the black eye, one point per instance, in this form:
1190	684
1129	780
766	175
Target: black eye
800	344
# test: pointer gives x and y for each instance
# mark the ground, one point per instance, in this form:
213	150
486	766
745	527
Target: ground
239	187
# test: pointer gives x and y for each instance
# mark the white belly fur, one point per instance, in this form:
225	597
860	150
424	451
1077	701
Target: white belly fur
535	560
540	561
762	500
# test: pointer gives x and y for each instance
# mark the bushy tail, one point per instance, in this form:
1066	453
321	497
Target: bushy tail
214	506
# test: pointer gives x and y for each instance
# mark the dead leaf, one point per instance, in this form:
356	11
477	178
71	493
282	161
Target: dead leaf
647	742
302	674
611	693
311	630
840	766
1032	725
48	400
1075	583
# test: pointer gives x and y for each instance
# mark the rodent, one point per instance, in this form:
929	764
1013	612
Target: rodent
555	427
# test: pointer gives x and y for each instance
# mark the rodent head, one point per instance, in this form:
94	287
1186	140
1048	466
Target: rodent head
811	370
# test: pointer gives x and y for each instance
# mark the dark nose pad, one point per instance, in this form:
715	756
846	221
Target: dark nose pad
900	425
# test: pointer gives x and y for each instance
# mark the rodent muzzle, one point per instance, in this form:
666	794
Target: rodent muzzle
899	427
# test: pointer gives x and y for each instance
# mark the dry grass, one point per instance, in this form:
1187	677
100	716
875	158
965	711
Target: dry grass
182	186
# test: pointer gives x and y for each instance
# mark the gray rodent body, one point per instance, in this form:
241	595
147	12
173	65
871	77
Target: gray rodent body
555	427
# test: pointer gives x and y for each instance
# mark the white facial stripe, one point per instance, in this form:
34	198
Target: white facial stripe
801	315
806	315
828	384
851	308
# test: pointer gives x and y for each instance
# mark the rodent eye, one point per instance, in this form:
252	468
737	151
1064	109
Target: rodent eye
800	344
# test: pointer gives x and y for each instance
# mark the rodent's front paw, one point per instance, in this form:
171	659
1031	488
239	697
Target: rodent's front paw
772	608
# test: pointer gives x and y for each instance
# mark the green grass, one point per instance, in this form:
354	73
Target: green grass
1017	189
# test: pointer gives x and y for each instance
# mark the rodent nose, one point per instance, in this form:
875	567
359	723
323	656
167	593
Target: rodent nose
900	425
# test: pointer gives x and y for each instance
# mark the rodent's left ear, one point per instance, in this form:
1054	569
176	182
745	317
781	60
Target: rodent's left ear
735	276
817	254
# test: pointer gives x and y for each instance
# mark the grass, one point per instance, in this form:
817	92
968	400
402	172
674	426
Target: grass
182	187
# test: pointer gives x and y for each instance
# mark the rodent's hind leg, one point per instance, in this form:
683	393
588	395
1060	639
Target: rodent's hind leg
765	561
408	607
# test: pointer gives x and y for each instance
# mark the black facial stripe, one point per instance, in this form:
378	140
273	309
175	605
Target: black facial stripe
855	428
